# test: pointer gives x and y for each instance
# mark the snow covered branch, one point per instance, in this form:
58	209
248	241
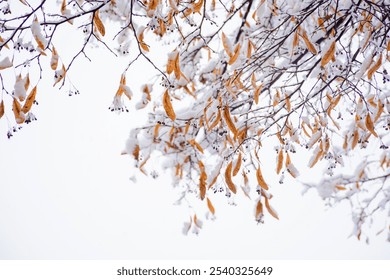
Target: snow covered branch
309	78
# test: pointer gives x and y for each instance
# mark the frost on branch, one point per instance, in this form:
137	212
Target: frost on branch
309	78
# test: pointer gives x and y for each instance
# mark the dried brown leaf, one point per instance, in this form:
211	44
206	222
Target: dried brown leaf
196	145
238	165
213	181
98	23
370	125
173	5
260	179
345	144
234	57
2	41
340	188
197	222
317	157
54	59
228	178
136	152
288	103
226	45
152	5
256	93
168	106
380	110
5	63
156	129
309	44
296	39
197	6
144	46
374	68
288	159
279	164
176	68
202	185
253	80
59	75
228	119
270	209
259	210
63	7
321	23
355	139
26	82
2	110
210	206
30	100
329	54
19	116
249	49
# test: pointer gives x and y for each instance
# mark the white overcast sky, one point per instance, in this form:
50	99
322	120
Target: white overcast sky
65	191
